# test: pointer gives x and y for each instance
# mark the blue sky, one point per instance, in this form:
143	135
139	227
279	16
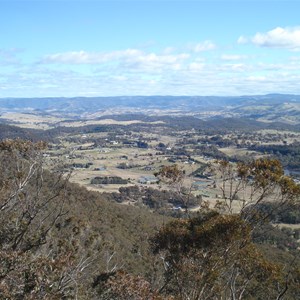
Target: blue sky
111	48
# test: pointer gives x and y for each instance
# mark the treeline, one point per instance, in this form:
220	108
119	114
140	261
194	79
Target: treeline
108	180
289	214
289	155
14	132
162	201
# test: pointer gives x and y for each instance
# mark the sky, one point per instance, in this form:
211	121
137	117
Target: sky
69	48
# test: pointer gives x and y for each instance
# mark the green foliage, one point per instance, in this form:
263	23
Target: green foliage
289	155
176	179
60	241
59	235
108	180
211	256
123	286
289	213
30	206
153	198
284	239
171	174
254	183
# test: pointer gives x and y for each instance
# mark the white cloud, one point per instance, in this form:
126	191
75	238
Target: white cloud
195	66
164	59
242	40
286	38
126	62
256	78
295	58
169	50
83	57
204	46
131	58
231	68
233	57
136	71
191	78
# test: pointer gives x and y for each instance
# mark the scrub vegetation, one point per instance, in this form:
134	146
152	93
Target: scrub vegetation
163	208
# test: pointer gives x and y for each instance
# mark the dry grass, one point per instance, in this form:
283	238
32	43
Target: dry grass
106	122
31	120
232	151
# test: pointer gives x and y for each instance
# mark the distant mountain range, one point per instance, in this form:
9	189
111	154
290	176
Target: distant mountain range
268	108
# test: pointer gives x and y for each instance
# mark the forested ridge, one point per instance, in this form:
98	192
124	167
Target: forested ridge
60	241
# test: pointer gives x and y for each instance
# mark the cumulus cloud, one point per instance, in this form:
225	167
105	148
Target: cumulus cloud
286	38
233	57
242	40
169	50
130	59
204	46
165	59
192	77
83	57
256	78
196	66
143	71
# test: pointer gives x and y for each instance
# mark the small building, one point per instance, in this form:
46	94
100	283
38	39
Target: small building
101	168
151	179
148	168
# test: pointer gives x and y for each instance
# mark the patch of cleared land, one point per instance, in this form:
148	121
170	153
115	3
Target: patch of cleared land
31	120
105	122
117	152
28	120
233	151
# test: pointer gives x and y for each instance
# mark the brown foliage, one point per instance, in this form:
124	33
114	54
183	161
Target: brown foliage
30	206
211	257
250	184
123	286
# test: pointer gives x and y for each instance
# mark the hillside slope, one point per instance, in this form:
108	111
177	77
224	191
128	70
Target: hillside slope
272	107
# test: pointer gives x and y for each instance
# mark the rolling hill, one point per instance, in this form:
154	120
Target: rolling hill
266	108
